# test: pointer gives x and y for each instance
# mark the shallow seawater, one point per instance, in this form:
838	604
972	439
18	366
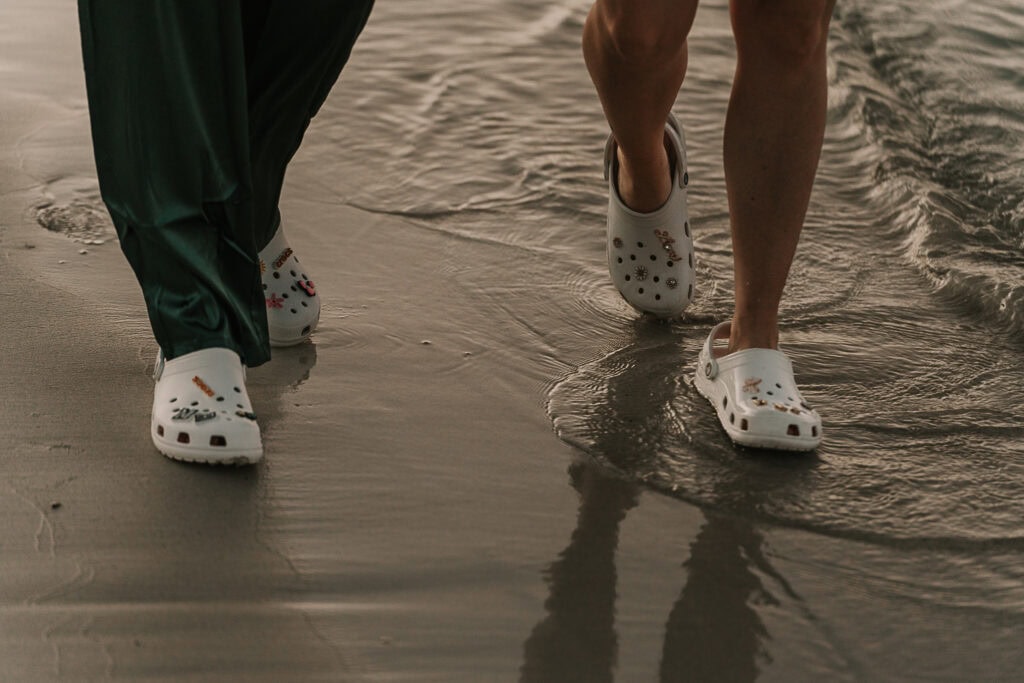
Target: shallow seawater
905	309
904	312
904	316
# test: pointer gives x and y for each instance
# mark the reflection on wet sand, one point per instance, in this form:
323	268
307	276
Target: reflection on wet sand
153	568
273	382
576	641
713	631
206	575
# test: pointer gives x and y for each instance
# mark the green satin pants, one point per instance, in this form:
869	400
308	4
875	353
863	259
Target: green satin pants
196	108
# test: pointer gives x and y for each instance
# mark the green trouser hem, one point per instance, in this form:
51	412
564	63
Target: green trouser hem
196	108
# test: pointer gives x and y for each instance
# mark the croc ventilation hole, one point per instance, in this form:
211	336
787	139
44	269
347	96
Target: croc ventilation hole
218	440
159	430
743	424
793	430
305	330
814	430
641	273
183	437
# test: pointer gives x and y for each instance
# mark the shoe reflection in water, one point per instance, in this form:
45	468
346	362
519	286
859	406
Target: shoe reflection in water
626	412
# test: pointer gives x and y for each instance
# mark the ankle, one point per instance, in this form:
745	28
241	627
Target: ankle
753	333
644	182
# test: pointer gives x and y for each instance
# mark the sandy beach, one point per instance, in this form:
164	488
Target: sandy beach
412	493
483	467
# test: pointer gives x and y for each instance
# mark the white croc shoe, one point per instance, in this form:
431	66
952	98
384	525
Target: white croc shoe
293	306
755	396
650	255
201	410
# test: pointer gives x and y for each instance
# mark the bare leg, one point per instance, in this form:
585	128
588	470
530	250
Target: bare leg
635	51
773	138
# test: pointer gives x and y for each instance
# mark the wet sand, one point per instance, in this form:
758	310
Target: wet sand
412	492
416	517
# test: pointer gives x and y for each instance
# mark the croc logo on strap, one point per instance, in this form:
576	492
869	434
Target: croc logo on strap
307	286
279	261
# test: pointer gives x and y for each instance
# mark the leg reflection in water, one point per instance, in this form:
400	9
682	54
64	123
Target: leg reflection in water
577	640
713	632
628	411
